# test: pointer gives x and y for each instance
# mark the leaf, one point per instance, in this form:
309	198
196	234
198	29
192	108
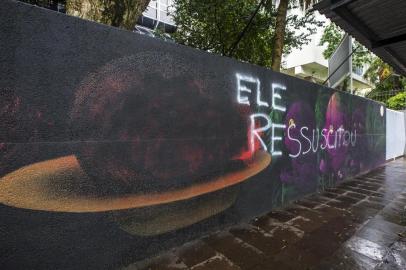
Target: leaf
214	26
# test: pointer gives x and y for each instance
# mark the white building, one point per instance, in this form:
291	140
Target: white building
309	63
157	14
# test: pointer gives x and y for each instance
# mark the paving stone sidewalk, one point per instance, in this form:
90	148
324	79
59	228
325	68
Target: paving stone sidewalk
357	225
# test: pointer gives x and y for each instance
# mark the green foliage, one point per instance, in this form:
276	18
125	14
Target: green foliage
377	71
214	26
383	75
397	102
332	37
387	83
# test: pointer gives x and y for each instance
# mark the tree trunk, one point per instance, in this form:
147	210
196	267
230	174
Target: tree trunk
119	13
279	39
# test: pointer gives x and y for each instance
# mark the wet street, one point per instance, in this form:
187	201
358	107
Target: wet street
357	225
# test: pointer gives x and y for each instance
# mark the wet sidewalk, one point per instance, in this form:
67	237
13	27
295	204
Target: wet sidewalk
357	225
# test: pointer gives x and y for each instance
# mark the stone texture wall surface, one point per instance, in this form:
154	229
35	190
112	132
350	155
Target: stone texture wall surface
115	146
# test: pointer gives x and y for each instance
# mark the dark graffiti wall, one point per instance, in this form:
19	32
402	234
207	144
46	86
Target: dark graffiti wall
115	146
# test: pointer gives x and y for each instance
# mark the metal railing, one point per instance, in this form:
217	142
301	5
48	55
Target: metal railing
383	96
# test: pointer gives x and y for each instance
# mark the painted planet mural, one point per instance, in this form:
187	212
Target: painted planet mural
133	145
142	147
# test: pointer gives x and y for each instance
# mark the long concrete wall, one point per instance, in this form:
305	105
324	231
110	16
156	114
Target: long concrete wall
114	146
395	134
